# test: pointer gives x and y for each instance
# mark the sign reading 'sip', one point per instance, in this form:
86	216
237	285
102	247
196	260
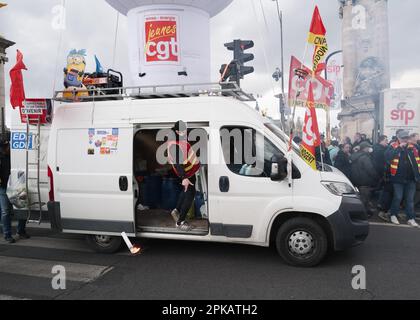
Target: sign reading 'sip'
19	141
161	39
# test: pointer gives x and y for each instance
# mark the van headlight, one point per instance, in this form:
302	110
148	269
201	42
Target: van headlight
339	188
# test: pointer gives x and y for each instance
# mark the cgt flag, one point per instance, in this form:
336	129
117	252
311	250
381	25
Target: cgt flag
310	135
17	90
317	38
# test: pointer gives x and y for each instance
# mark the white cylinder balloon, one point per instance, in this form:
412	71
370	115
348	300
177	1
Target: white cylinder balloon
169	43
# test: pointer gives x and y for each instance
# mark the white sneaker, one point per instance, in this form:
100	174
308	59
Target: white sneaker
394	220
412	223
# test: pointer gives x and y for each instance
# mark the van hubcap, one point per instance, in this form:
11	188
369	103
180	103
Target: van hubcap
301	243
103	240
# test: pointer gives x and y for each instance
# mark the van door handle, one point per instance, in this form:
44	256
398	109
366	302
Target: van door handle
123	184
224	184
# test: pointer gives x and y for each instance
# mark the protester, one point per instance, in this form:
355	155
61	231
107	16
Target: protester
414	139
333	150
322	153
378	155
347	140
364	175
386	192
404	167
342	161
5	205
185	165
357	140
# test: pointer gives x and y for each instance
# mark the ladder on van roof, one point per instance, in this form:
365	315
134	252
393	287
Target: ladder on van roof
36	146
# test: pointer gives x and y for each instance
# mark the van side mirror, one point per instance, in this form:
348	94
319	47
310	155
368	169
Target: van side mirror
278	168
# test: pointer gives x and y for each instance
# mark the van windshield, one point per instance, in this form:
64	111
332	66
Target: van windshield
282	136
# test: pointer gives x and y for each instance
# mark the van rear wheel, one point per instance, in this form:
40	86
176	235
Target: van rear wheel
301	242
104	244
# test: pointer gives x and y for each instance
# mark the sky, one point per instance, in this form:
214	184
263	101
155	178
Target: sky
91	25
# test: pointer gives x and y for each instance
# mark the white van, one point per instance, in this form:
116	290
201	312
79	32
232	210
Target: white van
104	179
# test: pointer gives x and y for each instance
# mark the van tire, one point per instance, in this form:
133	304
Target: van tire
301	242
104	244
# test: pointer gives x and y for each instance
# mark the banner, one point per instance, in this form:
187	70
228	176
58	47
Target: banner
323	90
161	35
310	134
335	71
316	37
400	110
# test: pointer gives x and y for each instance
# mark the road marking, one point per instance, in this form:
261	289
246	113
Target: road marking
53	243
384	224
3	298
42	269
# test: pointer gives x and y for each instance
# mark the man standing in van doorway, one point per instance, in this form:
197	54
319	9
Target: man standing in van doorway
185	164
5	205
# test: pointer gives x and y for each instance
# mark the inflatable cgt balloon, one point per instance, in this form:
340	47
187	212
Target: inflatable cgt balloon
73	74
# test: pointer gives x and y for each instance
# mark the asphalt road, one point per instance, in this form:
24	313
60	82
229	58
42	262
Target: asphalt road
191	270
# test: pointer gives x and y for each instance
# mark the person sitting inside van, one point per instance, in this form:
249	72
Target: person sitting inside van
185	165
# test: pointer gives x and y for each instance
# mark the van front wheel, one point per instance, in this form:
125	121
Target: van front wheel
301	242
104	244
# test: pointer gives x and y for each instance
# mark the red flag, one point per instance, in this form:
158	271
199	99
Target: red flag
310	137
317	26
317	37
17	90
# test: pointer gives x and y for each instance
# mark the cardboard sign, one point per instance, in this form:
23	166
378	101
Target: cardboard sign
161	39
35	109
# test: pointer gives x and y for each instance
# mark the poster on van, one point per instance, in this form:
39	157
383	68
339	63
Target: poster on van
161	39
102	141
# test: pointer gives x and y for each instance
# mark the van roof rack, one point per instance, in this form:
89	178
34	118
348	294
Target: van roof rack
227	89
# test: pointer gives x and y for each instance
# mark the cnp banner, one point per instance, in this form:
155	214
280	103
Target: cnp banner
323	90
161	39
400	110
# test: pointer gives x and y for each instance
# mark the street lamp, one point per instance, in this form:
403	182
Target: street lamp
279	73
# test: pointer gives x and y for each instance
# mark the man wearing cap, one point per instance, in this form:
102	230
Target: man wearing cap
403	162
364	175
5	205
185	165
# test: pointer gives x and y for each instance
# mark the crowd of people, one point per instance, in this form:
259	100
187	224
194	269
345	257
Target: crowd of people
386	173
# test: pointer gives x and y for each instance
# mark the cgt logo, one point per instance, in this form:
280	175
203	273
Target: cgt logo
161	39
402	114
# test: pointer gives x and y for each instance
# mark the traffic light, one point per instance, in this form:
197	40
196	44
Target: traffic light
239	59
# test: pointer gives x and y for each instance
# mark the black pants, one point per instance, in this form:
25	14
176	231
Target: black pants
186	200
366	197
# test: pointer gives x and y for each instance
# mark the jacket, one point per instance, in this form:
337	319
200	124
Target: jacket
379	159
342	163
363	171
403	164
4	170
183	159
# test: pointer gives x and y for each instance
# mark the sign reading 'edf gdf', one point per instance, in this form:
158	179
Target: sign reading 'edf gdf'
19	141
161	35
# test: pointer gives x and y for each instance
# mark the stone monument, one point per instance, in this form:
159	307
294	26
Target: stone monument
365	41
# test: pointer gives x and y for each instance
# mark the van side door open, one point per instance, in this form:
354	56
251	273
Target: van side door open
95	180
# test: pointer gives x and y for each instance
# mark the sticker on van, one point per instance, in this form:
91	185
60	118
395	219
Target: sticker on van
19	141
